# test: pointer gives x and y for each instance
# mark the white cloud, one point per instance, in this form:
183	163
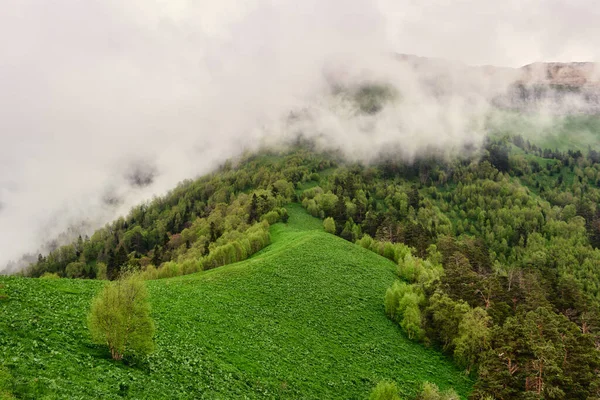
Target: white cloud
89	88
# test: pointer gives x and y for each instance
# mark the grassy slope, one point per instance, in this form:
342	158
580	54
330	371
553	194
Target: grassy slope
301	319
575	132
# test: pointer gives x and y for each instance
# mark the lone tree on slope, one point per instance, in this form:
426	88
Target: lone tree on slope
120	318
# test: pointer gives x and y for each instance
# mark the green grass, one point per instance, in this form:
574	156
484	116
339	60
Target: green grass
573	132
301	319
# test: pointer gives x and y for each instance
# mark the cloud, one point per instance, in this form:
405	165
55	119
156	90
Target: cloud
507	33
106	103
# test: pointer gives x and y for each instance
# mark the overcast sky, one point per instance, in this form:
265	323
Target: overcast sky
90	90
503	33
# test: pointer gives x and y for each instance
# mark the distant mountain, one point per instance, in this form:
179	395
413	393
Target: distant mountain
574	74
559	88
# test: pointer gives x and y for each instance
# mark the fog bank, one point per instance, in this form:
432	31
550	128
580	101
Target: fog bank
104	104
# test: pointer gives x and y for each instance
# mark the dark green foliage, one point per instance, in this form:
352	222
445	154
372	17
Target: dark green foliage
498	157
253	211
371	98
116	262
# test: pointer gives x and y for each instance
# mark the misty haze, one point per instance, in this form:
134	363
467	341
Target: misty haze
89	87
399	182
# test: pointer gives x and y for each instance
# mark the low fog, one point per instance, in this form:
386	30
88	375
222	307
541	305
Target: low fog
104	103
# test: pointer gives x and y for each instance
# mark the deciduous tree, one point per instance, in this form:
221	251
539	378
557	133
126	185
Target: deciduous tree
120	318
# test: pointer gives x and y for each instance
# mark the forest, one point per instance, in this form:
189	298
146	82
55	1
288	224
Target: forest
497	252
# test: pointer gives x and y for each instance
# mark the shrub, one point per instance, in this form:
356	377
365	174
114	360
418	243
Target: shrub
50	275
284	215
385	390
389	251
271	217
411	321
75	270
329	225
312	208
366	241
432	392
392	298
101	271
120	318
312	192
402	304
190	266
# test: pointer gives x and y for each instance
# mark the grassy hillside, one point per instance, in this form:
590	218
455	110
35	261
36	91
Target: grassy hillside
572	132
303	318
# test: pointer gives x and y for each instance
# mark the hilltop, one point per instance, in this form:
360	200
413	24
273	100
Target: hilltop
301	319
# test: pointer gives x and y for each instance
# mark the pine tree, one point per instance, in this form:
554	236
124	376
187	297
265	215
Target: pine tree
253	211
156	256
111	266
339	213
116	263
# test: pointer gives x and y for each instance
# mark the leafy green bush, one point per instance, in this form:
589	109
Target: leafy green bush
385	390
329	225
284	215
392	251
75	270
402	304
432	392
271	217
416	270
231	247
101	271
120	318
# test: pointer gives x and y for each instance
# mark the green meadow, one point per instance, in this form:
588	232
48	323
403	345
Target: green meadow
302	319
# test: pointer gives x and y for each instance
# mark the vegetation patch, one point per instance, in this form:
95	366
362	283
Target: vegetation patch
303	318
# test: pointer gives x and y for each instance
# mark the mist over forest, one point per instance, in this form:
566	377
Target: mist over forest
273	199
106	105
